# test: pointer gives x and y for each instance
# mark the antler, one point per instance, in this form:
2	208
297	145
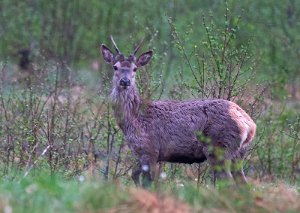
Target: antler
114	43
138	47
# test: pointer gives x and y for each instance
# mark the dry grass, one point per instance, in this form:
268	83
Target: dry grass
279	198
261	197
143	201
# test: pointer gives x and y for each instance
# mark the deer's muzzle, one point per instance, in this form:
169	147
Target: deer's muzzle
125	82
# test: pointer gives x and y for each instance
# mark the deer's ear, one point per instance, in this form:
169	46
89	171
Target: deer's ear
107	54
144	58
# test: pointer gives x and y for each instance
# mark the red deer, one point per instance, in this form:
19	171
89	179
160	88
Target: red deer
194	131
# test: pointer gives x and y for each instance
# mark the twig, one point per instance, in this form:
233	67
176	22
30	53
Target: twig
41	155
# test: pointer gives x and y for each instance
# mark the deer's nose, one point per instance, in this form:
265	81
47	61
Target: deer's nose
125	82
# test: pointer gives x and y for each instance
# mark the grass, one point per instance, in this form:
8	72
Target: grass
55	194
43	193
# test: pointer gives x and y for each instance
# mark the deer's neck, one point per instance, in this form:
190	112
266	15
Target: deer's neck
126	103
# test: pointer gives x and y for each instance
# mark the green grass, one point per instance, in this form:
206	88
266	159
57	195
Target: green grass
43	193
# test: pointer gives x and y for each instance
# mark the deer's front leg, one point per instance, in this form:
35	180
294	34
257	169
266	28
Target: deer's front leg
147	155
148	169
136	172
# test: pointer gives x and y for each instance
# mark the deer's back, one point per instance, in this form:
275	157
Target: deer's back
178	126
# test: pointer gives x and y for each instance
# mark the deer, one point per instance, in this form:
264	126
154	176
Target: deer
217	131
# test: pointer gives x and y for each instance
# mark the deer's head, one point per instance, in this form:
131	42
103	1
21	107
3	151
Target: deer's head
125	67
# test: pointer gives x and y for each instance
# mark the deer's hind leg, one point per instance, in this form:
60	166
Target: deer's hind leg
239	176
219	163
238	171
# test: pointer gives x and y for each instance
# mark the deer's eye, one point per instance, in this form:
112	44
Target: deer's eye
134	69
115	67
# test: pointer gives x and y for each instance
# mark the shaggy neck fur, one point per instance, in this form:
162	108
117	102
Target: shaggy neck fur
126	104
